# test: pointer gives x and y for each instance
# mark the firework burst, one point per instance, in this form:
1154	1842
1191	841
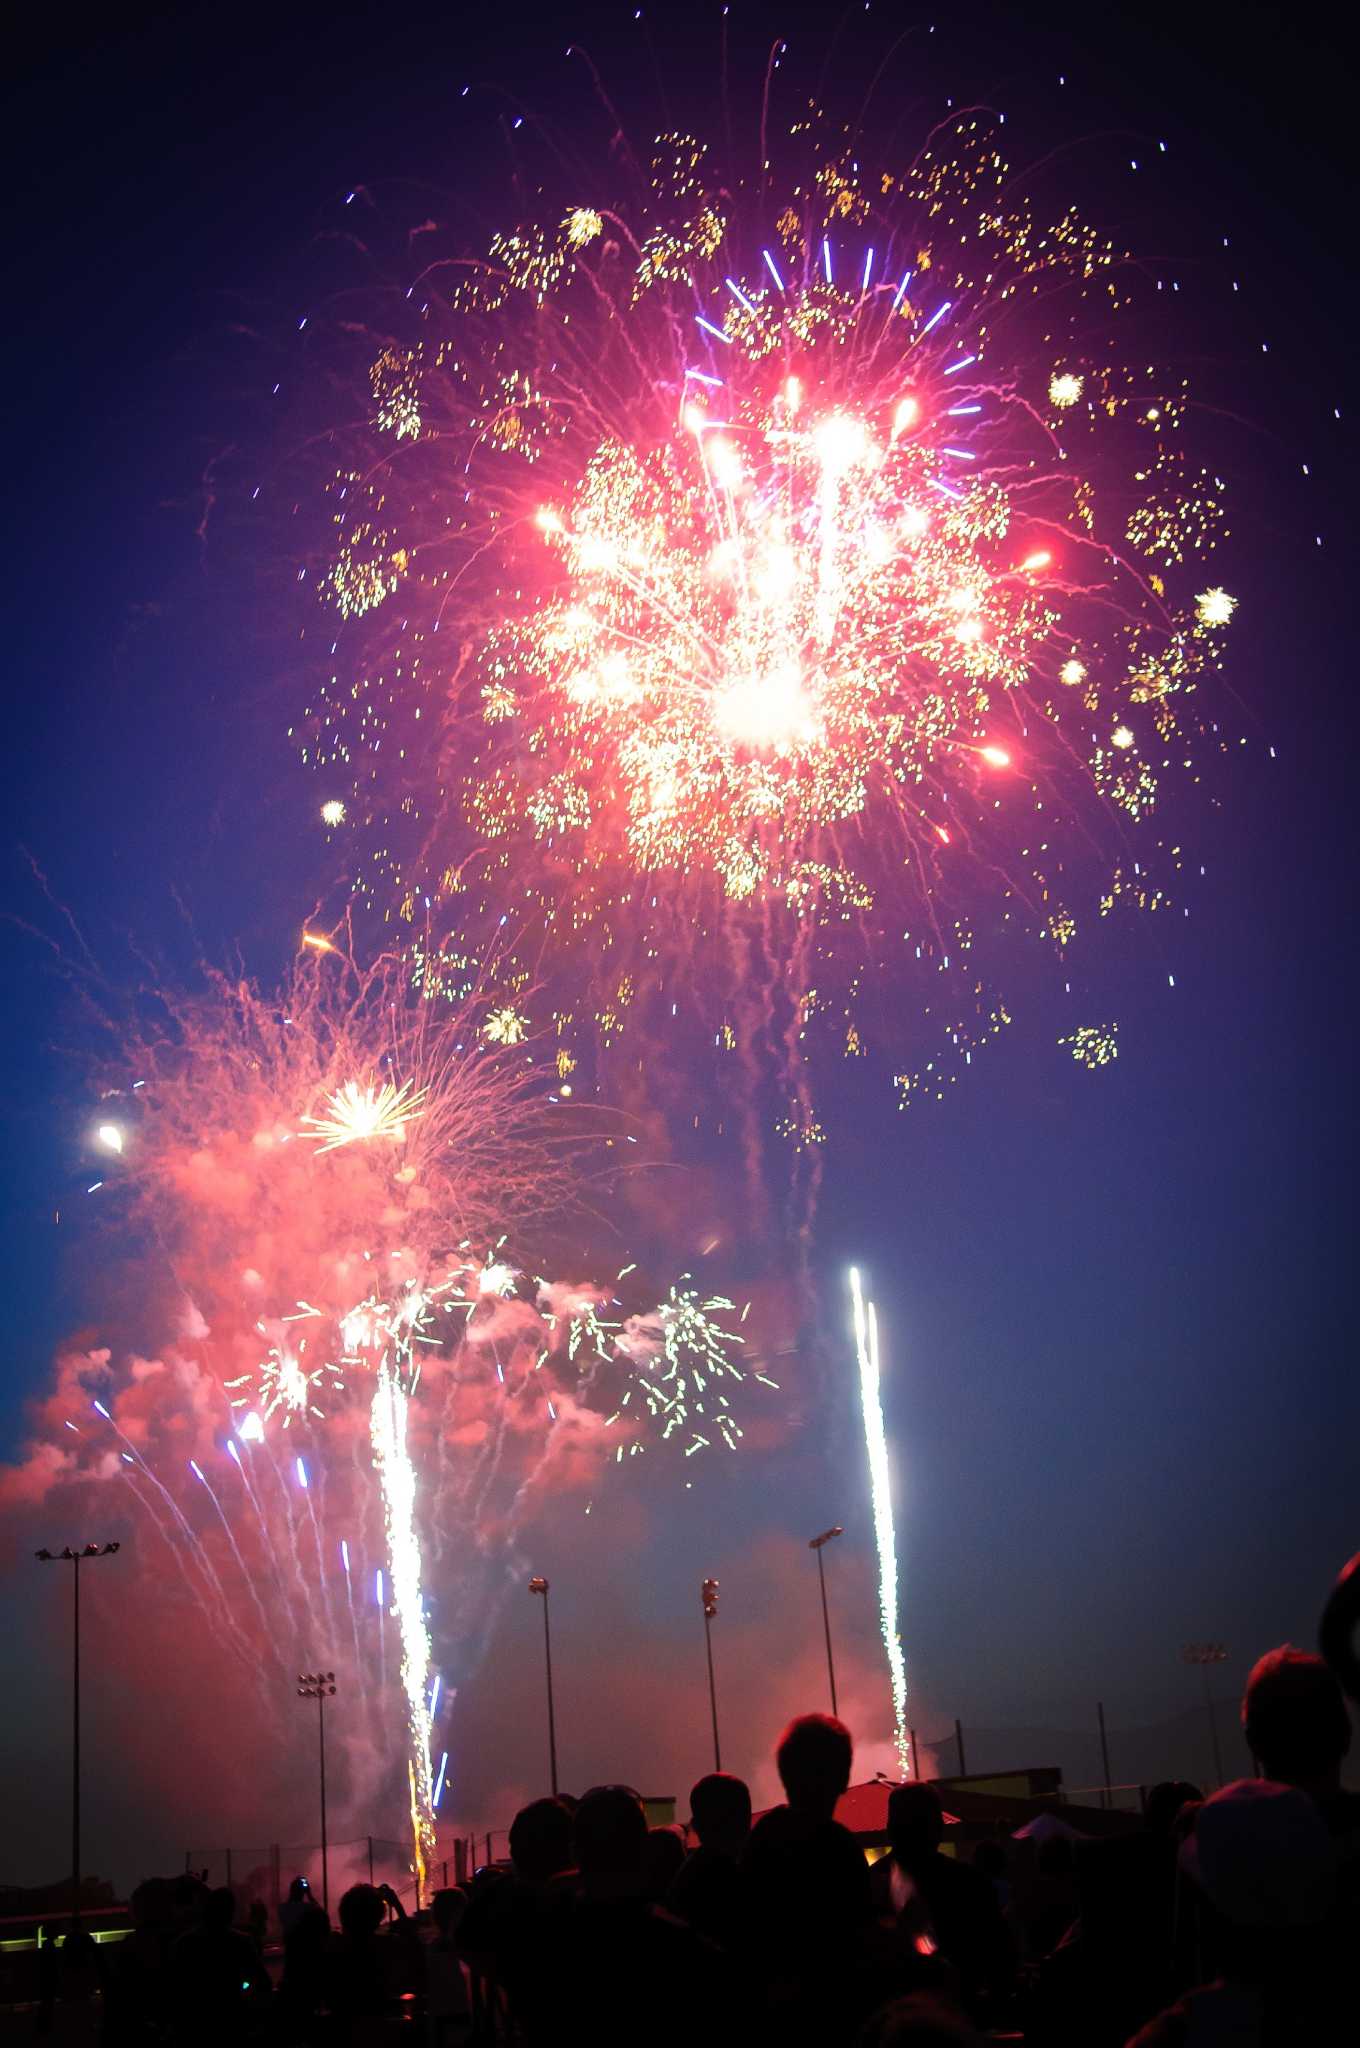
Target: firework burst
358	1111
826	581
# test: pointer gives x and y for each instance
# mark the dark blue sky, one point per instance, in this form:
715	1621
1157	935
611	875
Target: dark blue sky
1117	1305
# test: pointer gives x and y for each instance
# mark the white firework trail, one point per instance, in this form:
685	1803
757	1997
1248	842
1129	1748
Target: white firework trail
880	1492
396	1476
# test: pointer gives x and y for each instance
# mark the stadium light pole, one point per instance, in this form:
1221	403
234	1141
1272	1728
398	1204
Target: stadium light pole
320	1686
540	1586
76	1558
1206	1654
708	1593
819	1543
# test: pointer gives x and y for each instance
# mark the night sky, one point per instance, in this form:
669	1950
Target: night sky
1116	1305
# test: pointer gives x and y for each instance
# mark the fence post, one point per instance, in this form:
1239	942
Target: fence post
1104	1750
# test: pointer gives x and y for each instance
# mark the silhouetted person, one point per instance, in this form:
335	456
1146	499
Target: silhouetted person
540	1841
628	1969
991	1859
1298	1728
217	1982
661	1861
367	1970
709	1890
1052	1905
448	2009
1263	1858
137	1971
298	1899
70	1977
257	1924
304	1983
1164	1803
511	1918
941	1905
809	1885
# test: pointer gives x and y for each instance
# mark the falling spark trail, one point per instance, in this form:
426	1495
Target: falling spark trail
266	1535
880	1489
353	1617
314	1622
200	1555
267	1635
322	1576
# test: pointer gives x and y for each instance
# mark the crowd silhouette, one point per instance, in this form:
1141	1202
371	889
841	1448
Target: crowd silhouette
1232	1919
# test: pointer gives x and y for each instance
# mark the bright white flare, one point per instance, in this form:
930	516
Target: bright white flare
362	1110
880	1491
1215	607
110	1137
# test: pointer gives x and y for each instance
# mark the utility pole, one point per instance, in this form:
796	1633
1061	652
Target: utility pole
819	1543
540	1586
708	1593
75	1558
1205	1655
320	1686
1104	1748
958	1738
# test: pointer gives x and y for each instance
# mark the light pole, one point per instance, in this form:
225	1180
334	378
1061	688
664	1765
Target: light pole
1206	1654
708	1593
76	1559
540	1586
819	1543
320	1686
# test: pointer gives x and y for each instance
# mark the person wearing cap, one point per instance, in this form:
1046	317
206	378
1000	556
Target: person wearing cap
1297	1726
1264	1864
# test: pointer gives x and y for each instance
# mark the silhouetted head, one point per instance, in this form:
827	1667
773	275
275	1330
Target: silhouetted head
663	1853
540	1840
915	1823
1295	1721
611	1839
152	1903
219	1909
720	1812
814	1757
299	1889
920	2021
1165	1801
361	1911
448	1908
